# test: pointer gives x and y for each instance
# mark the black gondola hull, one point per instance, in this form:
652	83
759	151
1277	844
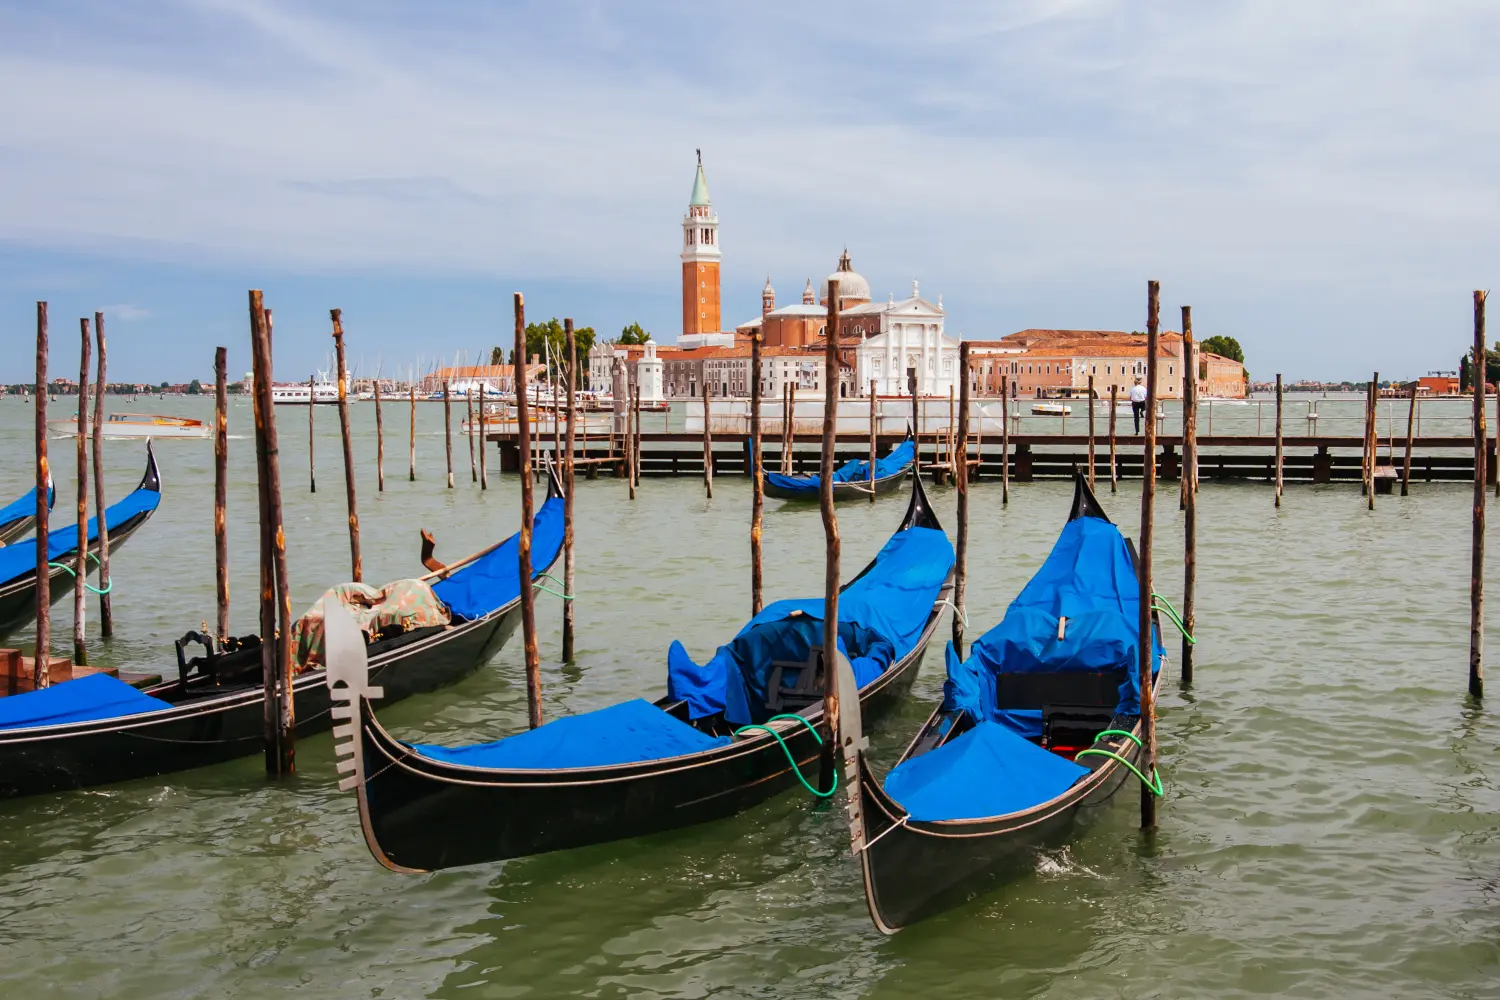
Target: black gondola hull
842	492
12	530
913	870
218	729
423	815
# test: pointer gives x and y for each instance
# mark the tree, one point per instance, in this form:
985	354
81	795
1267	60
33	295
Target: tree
633	334
1226	347
552	334
165	386
497	355
1491	369
237	388
195	388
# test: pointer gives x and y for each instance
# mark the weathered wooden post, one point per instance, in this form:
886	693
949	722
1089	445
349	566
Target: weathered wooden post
41	674
628	429
1148	517
1005	439
221	491
1374	440
358	571
275	597
448	429
757	480
1091	432
523	542
106	613
1279	448
1411	416
708	446
874	432
831	538
1189	482
412	473
379	440
568	476
787	427
312	399
469	433
636	449
1476	576
81	556
484	427
961	483
1114	472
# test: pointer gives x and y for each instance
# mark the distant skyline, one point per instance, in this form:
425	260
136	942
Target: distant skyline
1315	179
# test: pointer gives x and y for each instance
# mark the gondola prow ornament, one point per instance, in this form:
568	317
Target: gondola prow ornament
348	680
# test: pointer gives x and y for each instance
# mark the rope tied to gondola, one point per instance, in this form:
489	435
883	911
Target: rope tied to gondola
788	751
1154	785
549	590
1166	607
86	585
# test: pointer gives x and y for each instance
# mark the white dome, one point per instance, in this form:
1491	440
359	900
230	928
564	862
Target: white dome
852	286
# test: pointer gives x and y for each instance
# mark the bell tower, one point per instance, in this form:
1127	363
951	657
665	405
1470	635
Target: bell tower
700	264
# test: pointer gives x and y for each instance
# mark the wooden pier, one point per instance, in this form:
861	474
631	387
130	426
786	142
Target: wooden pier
1308	459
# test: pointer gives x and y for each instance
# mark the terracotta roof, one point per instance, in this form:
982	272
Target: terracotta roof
477	371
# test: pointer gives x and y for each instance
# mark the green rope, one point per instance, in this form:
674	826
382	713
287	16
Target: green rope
1120	732
1155	788
86	585
1172	615
786	750
548	590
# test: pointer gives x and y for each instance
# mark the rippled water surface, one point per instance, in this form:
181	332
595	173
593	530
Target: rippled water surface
1330	828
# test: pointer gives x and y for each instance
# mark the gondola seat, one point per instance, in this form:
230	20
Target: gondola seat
626	733
1030	703
96	696
988	771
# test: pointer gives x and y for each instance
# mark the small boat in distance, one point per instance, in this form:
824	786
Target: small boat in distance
320	389
1051	409
137	425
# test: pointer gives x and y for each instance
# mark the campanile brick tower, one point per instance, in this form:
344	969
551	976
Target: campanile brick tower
700	261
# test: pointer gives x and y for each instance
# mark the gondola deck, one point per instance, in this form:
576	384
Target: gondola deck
420	813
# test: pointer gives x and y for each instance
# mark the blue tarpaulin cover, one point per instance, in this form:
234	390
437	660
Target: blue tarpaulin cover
631	731
493	581
1088	578
881	617
857	471
19	559
24	507
988	771
97	696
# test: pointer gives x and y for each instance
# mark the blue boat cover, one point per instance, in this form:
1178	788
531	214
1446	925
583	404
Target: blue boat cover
97	696
857	471
988	771
881	616
1088	578
493	580
24	507
19	558
626	733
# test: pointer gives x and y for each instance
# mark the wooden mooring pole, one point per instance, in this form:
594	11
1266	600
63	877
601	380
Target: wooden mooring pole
1114	471
221	492
1279	449
412	471
757	480
787	427
568	476
81	556
874	432
484	425
1091	432
627	429
635	450
469	433
448	429
1374	438
41	675
312	433
1005	440
1189	498
1411	417
831	539
379	440
961	483
523	542
106	611
1189	483
708	445
279	717
357	573
1476	576
1148	519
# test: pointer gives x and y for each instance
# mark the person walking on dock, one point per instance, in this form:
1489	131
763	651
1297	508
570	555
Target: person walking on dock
1137	402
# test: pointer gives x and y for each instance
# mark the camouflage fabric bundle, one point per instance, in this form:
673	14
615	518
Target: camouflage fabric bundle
411	604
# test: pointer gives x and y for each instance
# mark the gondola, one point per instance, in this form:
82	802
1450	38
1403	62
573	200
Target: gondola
851	481
636	767
94	730
17	518
18	561
1028	742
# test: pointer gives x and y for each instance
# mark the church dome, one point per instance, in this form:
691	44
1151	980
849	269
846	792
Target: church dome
853	288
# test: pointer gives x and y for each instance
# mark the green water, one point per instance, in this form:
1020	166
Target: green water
1330	827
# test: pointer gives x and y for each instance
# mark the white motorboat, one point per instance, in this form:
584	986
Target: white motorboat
1051	409
137	425
321	389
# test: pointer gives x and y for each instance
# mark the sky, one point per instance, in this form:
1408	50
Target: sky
1316	179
